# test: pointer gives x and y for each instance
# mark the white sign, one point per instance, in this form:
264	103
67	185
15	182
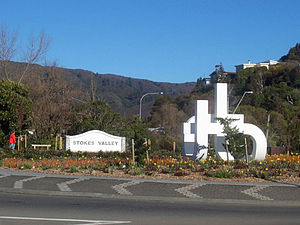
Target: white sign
95	141
198	127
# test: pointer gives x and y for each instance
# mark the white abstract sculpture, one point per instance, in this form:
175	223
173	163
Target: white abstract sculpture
198	127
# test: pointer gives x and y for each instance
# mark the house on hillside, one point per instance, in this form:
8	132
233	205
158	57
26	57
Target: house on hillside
220	74
217	76
206	81
261	64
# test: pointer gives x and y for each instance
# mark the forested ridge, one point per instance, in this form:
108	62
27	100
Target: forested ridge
120	92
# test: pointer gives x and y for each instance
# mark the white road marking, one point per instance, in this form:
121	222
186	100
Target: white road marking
253	193
64	185
83	222
2	176
186	190
121	188
19	183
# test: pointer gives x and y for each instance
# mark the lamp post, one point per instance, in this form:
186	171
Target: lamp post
156	93
79	100
246	92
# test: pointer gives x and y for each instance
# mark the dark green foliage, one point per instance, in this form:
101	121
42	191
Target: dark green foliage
15	109
250	79
293	55
222	174
276	93
200	88
97	115
233	137
113	155
139	133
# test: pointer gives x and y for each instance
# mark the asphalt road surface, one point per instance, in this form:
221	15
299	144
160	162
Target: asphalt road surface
17	209
36	199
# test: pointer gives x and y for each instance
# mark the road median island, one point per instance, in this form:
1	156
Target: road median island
155	177
281	168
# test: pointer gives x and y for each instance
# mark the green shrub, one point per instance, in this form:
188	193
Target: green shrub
45	167
136	171
220	174
27	166
73	169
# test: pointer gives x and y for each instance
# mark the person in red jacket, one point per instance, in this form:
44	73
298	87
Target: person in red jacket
12	140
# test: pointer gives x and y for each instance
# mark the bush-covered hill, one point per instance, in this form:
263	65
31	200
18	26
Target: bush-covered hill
293	55
274	105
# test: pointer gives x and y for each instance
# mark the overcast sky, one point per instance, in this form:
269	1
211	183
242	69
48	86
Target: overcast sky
160	40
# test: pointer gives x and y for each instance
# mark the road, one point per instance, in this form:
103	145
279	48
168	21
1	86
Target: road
36	199
119	211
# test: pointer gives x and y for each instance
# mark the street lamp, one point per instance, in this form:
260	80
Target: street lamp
246	92
156	93
79	100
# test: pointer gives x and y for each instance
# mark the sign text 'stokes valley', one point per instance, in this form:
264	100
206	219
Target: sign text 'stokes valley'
94	141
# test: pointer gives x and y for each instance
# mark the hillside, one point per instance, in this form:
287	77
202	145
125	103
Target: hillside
121	93
293	54
274	105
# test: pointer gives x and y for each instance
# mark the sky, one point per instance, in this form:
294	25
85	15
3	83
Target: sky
160	40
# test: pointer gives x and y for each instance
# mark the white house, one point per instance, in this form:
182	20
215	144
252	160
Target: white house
261	64
206	81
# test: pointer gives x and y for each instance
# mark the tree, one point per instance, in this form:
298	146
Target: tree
201	88
165	113
233	138
138	132
96	115
34	51
51	96
15	108
7	49
220	73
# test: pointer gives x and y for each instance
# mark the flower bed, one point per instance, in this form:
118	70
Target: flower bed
275	167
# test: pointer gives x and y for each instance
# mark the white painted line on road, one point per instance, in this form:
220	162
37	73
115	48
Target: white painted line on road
186	191
121	188
64	186
253	193
19	183
84	222
2	176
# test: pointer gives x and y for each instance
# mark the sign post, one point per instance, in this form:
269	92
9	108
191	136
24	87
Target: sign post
132	146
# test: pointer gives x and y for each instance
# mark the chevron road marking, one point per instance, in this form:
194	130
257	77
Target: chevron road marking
19	183
64	185
186	191
2	176
121	188
83	222
253	193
